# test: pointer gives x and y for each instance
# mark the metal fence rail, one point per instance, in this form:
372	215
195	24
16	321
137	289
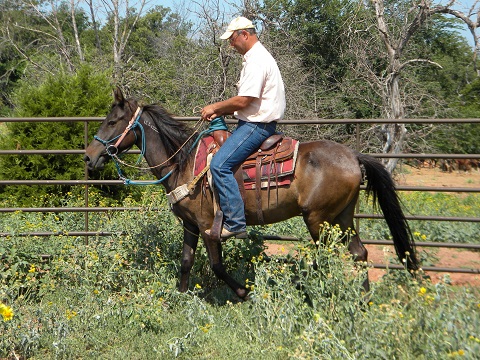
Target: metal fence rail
115	209
87	182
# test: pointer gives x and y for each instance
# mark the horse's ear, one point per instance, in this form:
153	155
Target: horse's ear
118	96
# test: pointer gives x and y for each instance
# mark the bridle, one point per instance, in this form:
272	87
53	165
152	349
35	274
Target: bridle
112	149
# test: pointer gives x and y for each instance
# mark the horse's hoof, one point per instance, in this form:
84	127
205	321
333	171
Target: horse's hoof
242	293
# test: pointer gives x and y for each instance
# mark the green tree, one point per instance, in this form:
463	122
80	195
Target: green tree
461	138
86	93
164	58
12	39
313	31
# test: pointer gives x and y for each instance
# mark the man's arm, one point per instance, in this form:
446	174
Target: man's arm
226	107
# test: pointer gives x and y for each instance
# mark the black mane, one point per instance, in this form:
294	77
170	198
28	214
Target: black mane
174	134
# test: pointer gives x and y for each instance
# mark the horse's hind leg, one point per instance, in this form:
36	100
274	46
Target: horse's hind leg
360	255
355	246
345	221
190	241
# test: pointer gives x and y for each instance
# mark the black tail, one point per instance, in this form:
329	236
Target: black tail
381	185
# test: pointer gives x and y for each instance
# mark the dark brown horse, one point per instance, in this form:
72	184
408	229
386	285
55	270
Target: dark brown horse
326	185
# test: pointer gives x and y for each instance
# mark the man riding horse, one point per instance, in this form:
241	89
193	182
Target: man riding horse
260	103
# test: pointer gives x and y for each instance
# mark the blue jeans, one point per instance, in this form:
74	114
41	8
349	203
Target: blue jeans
246	139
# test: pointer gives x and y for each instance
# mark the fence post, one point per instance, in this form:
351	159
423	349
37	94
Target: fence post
357	207
86	178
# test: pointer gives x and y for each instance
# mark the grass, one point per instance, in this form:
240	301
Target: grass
116	297
431	204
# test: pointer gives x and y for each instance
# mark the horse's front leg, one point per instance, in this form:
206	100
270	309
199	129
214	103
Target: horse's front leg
214	250
190	241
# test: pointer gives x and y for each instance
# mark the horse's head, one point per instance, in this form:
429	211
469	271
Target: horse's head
112	128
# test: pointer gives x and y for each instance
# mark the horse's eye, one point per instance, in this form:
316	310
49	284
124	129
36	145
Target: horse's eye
112	123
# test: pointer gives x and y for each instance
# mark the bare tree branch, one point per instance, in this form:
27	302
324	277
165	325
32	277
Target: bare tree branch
73	5
395	31
466	18
94	24
25	55
411	61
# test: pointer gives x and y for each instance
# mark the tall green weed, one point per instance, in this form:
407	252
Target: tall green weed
115	297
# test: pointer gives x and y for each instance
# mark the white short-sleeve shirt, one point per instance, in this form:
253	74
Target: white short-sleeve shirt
260	78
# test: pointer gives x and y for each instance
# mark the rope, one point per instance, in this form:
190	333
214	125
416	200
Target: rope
215	124
197	125
147	182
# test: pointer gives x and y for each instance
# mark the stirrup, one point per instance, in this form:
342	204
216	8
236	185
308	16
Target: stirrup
226	234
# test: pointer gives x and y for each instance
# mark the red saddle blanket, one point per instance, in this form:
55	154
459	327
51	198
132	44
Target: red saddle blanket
278	173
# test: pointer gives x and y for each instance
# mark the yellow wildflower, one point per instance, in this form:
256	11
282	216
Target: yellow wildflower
70	314
471	337
198	286
32	268
6	312
206	327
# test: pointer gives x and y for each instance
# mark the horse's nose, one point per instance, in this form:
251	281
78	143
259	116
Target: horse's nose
86	158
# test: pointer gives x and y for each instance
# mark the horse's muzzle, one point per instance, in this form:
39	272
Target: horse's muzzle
93	164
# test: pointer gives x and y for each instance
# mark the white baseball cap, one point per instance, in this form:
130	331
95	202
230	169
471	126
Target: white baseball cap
238	23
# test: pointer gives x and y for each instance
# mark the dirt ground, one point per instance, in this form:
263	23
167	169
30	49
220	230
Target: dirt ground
448	258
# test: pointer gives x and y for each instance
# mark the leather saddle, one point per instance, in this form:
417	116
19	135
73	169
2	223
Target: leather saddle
273	150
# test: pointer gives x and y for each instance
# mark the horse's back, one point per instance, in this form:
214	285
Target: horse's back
326	179
330	153
329	160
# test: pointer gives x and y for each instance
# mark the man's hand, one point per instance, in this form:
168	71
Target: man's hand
208	113
226	107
